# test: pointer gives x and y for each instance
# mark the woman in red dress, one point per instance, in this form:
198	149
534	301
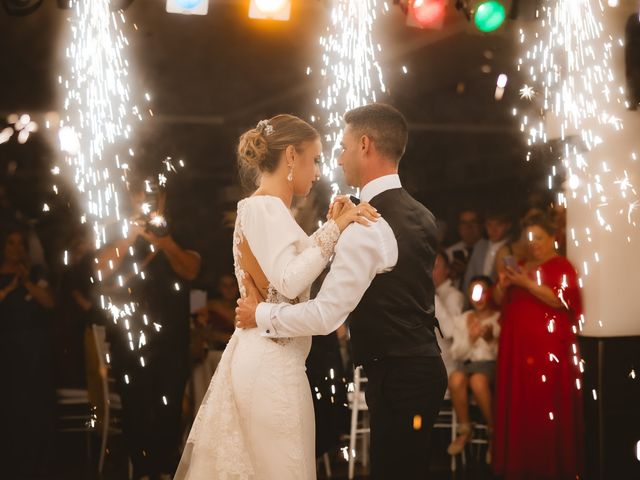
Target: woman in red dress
538	427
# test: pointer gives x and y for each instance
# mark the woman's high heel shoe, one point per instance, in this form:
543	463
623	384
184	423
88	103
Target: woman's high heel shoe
464	435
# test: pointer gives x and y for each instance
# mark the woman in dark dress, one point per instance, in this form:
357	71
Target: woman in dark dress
27	403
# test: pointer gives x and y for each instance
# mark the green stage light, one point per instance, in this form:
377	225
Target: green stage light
489	15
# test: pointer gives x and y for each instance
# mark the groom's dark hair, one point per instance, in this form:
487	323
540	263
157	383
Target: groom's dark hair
385	126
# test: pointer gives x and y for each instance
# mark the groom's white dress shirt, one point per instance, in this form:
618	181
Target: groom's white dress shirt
361	253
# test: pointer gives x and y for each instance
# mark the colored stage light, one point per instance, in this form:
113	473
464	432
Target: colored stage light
489	16
426	13
270	9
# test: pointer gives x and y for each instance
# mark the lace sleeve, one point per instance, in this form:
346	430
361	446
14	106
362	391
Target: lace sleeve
326	238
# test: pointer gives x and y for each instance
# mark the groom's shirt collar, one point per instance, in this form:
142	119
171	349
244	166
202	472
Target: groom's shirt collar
379	185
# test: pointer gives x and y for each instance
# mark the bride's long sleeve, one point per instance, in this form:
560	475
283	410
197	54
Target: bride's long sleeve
274	239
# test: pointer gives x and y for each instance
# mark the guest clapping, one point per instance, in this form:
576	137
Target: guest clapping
475	338
27	403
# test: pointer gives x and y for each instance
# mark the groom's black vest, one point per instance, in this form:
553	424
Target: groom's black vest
396	316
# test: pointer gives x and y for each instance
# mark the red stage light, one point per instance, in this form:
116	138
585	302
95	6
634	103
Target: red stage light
428	13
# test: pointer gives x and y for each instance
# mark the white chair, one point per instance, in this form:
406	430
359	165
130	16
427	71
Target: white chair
326	463
359	427
479	434
74	408
74	413
447	420
106	406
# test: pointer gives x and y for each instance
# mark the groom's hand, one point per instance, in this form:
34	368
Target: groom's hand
246	312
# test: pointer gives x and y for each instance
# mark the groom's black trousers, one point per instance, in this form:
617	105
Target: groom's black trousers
404	396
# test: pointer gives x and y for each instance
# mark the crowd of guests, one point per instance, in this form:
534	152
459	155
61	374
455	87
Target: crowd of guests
508	305
507	302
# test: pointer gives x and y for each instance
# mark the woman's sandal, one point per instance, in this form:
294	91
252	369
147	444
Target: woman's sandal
464	435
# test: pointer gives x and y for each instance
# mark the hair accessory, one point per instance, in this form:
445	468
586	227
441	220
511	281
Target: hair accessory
265	127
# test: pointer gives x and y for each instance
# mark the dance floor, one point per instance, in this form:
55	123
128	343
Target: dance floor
74	461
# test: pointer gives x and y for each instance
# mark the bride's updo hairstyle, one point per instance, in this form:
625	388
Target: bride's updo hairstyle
260	148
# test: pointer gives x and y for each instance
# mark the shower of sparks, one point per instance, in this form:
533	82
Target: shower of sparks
95	134
568	63
96	124
351	72
568	60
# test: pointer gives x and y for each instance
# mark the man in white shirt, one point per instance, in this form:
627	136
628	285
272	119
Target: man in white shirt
381	277
449	303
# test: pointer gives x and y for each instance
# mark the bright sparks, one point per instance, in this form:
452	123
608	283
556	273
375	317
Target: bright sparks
527	92
95	133
97	119
569	60
352	74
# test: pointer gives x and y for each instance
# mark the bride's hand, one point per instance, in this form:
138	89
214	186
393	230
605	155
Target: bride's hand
363	214
338	205
246	309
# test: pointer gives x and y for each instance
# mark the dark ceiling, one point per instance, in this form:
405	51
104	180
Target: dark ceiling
210	77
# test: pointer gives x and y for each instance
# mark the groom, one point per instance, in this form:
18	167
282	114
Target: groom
380	278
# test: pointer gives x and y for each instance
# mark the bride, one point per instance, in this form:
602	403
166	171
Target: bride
256	420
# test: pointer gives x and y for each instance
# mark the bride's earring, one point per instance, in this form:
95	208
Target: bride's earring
290	176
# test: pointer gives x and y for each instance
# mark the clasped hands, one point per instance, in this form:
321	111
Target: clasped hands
344	212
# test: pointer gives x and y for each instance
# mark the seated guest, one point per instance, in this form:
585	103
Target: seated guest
27	403
449	302
475	339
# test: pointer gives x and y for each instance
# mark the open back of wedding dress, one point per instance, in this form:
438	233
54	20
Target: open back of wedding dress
256	421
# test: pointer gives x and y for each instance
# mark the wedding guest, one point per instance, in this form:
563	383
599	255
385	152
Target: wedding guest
539	425
27	403
470	232
449	302
475	340
483	258
518	244
152	393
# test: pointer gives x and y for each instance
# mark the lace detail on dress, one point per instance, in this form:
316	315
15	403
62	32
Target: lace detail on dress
326	238
216	443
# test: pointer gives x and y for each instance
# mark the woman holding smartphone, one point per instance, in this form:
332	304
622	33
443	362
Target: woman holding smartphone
538	426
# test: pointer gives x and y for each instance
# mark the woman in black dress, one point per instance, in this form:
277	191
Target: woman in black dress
27	402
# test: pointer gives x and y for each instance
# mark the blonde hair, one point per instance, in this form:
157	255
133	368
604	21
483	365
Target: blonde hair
260	148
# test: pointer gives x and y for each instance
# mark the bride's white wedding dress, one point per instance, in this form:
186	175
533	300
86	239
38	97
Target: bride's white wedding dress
256	421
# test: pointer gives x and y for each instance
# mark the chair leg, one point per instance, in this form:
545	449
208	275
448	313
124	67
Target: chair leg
454	427
355	406
103	443
327	465
352	434
365	441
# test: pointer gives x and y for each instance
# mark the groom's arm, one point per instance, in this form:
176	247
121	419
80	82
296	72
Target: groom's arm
361	253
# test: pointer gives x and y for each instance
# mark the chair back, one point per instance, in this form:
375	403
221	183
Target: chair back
97	374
